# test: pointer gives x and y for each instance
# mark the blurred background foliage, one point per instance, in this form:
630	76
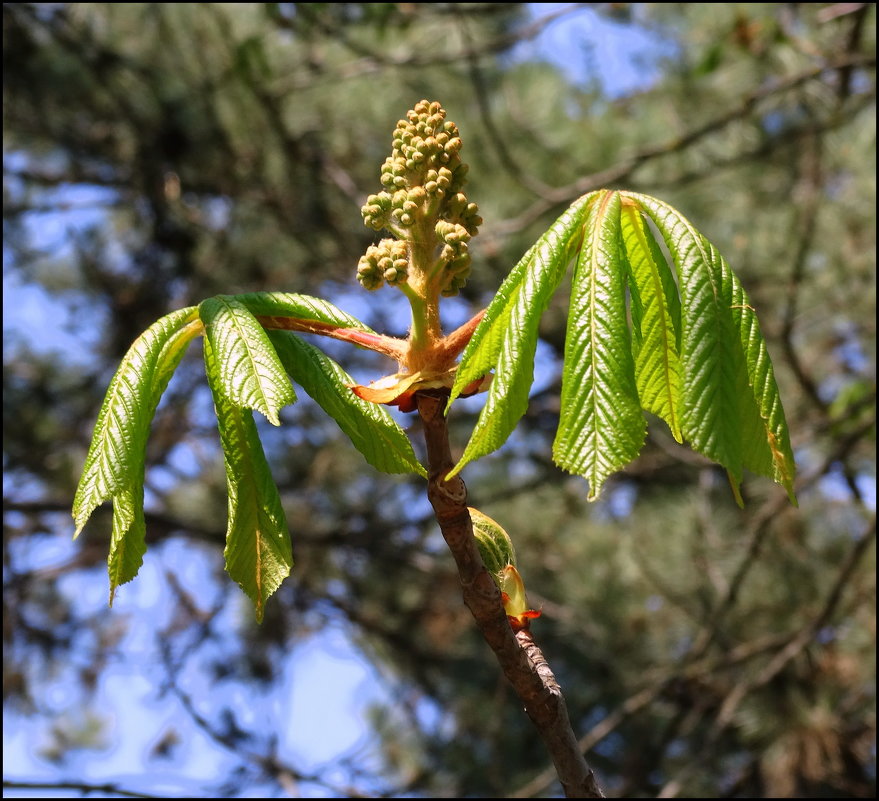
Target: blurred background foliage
156	154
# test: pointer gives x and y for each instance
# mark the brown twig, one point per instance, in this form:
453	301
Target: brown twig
84	788
518	655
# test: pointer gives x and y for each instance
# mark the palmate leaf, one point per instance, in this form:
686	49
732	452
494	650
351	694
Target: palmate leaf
506	339
601	428
694	355
258	552
731	409
369	426
114	467
249	372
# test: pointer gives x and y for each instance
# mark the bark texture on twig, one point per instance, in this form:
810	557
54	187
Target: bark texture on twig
518	655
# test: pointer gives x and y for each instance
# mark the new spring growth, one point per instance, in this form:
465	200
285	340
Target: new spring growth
499	557
424	206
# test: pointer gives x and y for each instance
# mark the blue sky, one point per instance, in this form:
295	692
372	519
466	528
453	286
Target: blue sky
587	45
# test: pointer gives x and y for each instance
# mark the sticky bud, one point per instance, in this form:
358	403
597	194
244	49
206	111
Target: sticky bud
515	603
494	544
499	556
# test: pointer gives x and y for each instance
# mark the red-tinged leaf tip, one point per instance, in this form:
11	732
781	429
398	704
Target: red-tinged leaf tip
513	597
522	622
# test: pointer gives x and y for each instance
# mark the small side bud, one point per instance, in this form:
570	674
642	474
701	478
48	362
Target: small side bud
515	603
494	544
499	556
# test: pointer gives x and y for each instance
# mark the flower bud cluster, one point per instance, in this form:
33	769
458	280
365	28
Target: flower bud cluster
423	182
386	261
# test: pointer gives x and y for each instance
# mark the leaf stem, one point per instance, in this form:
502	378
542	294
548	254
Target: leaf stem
390	346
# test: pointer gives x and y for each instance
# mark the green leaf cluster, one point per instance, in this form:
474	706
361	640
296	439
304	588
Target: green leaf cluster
680	341
248	369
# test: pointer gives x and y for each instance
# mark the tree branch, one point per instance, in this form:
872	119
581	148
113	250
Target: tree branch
105	790
518	655
561	195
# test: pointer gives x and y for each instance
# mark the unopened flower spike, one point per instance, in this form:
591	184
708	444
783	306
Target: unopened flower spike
424	206
423	201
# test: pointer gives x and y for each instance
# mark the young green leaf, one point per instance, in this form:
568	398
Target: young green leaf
506	339
115	463
128	536
766	448
481	352
601	427
369	425
731	410
258	552
300	307
656	321
249	371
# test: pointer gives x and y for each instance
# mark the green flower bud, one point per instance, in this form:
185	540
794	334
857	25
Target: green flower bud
455	286
394	276
452	146
456	204
461	265
368	274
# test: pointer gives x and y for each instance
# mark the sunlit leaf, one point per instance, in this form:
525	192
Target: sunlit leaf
128	536
656	321
601	427
258	552
300	307
693	356
120	433
250	374
114	467
506	339
369	426
731	410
